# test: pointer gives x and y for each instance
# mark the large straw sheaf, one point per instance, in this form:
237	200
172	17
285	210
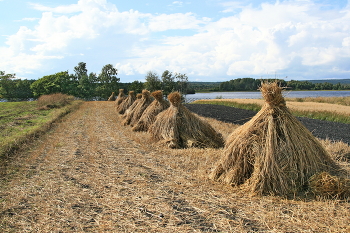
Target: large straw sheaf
134	115
121	97
177	127
112	97
121	108
149	115
133	106
273	152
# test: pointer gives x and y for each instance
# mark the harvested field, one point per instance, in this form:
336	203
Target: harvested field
320	129
92	174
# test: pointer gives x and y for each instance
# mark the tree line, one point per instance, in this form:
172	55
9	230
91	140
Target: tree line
86	85
250	84
80	84
89	86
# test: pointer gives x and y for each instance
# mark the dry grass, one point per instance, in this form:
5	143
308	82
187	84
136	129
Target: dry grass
177	127
54	101
324	184
91	174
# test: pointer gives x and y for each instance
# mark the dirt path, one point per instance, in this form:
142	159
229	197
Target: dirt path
91	174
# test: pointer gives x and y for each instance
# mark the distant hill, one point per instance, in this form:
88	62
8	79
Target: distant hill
332	81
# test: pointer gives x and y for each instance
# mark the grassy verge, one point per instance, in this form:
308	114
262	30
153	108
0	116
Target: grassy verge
330	100
20	122
253	107
320	115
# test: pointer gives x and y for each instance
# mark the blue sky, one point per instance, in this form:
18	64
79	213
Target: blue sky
209	40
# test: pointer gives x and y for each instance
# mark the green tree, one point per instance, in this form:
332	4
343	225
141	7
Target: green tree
87	86
14	89
107	81
86	83
80	70
153	83
136	86
22	89
61	82
7	85
168	82
181	83
300	85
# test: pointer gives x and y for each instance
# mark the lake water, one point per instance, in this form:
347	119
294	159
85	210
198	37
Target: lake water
257	95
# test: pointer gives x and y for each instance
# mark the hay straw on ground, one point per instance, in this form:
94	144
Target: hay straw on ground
112	97
121	97
273	152
121	108
324	184
133	116
149	115
177	127
132	107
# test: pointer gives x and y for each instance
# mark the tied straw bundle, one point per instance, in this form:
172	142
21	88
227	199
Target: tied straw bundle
121	108
112	97
132	107
273	153
133	116
177	127
149	115
121	97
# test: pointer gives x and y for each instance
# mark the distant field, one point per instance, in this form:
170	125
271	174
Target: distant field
329	111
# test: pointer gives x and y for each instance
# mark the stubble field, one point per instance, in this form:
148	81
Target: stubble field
92	174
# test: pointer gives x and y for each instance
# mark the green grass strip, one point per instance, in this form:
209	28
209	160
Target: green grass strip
14	137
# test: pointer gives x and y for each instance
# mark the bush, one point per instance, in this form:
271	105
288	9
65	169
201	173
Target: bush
57	100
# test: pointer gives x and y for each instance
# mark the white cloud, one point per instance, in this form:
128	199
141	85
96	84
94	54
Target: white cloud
179	3
27	19
290	36
165	22
258	41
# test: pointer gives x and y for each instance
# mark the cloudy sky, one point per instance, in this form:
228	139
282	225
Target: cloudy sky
209	40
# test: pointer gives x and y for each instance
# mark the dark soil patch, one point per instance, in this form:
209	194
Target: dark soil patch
321	129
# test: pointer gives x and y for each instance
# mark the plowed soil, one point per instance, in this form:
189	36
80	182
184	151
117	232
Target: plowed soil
321	129
92	174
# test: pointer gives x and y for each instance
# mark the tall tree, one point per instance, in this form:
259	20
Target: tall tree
87	86
182	83
153	83
86	83
168	82
80	70
107	81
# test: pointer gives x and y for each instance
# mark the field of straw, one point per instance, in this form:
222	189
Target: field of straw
93	174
